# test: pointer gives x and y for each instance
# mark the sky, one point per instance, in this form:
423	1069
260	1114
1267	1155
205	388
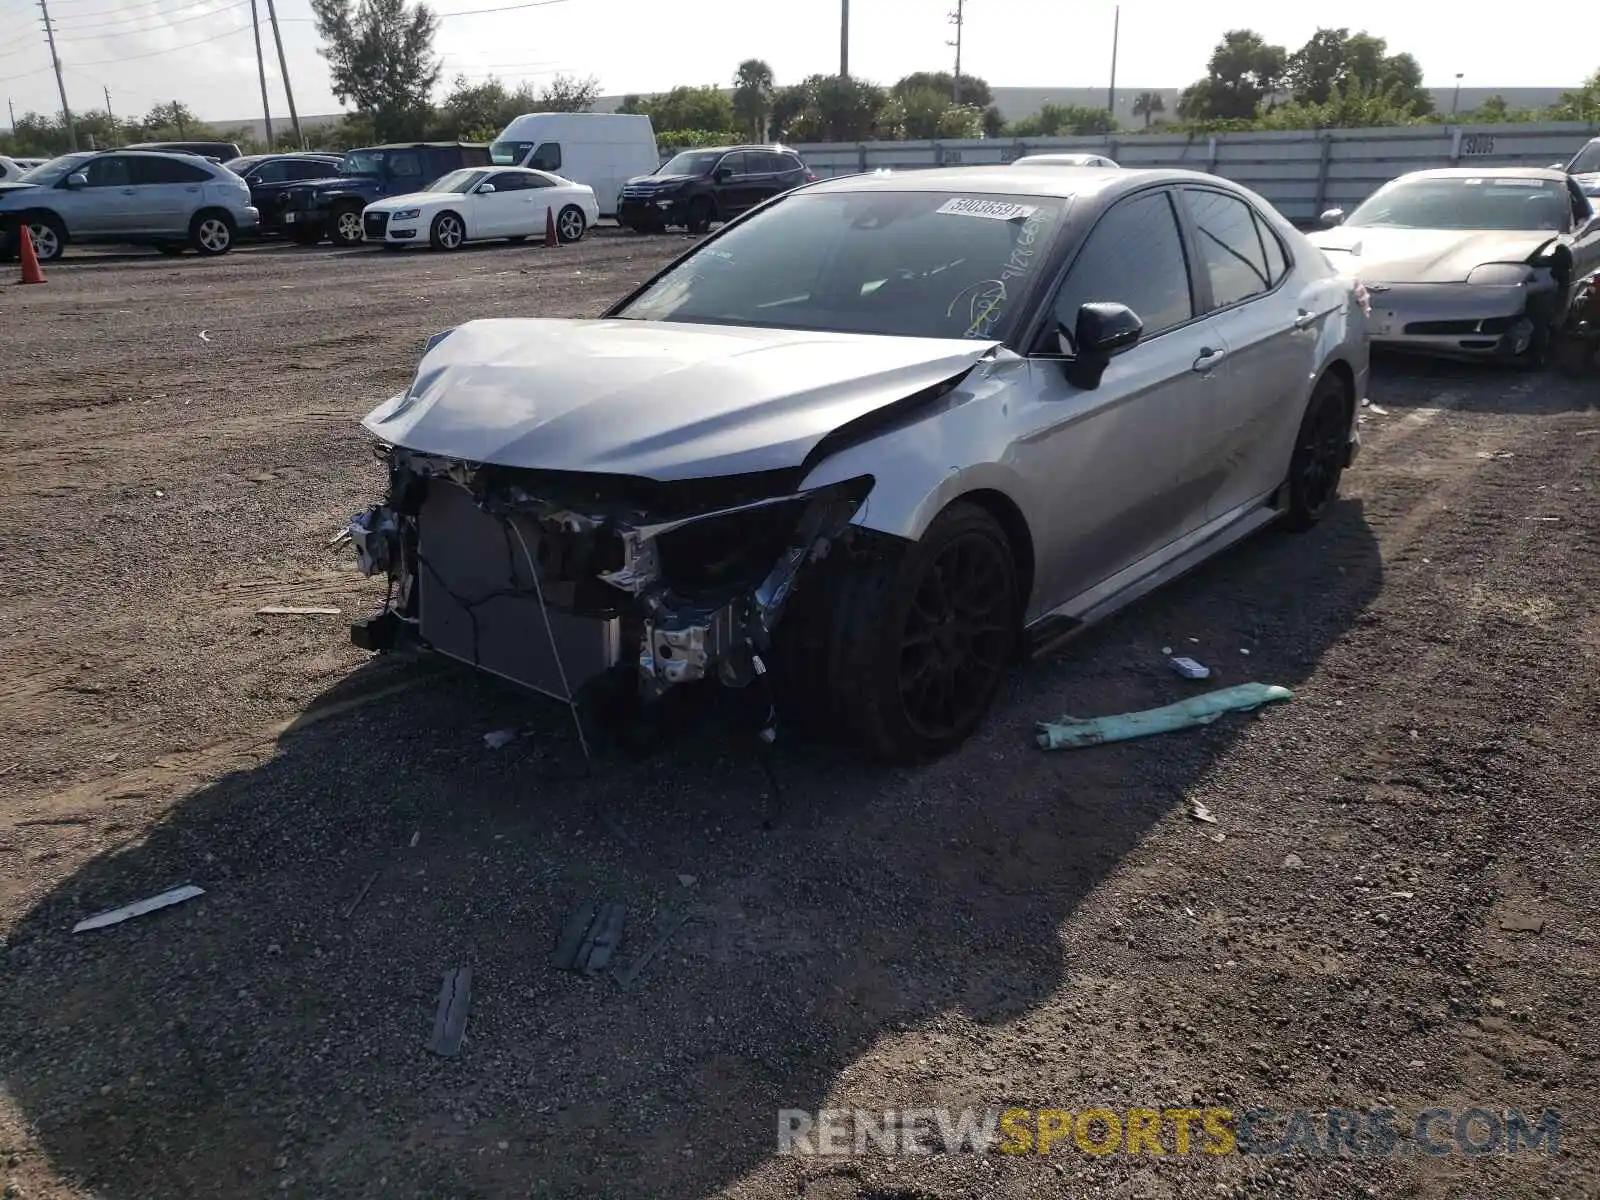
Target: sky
200	52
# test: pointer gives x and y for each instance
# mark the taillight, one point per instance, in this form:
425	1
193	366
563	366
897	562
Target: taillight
810	178
1364	298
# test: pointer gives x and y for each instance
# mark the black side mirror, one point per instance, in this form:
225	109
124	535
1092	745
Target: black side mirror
1104	330
723	174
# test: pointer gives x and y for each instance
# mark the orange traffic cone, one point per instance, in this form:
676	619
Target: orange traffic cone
30	261
550	238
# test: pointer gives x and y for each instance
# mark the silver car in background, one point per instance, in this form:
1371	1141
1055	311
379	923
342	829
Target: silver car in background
865	443
172	201
1063	160
1480	263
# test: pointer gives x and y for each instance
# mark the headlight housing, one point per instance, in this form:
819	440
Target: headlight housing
1500	275
406	214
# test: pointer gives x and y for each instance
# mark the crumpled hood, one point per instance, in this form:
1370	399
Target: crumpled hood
650	399
412	200
1423	255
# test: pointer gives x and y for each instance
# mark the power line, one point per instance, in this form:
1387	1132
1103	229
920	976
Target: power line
477	12
102	62
84	35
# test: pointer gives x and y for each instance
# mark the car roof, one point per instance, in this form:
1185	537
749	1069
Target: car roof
1488	173
1043	180
427	146
773	146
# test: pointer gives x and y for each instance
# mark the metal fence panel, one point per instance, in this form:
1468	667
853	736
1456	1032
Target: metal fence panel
1301	172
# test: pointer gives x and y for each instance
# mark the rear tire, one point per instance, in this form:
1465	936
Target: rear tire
1320	449
570	224
211	232
915	641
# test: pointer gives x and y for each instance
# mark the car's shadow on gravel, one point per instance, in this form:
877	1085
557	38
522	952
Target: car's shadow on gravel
1401	380
268	1037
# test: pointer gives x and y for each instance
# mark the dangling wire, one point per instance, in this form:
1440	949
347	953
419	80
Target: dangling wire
555	652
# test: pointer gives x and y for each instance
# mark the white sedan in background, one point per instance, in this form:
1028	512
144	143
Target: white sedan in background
479	204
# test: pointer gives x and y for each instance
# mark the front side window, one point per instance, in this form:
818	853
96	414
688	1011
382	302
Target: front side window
405	164
1500	203
111	171
1133	256
1586	160
734	165
547	157
913	264
508	154
1230	246
459	182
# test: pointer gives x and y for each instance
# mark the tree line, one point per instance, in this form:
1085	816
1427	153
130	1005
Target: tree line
382	63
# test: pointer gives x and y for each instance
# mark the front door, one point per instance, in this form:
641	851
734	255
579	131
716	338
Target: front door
1115	463
104	208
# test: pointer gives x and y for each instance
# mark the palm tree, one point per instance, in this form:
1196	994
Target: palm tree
1147	105
752	97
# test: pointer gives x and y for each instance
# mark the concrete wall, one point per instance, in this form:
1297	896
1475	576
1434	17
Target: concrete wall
1302	173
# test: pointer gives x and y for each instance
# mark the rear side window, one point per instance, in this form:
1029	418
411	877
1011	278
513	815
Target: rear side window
735	164
1134	256
167	170
309	170
1230	246
788	163
547	157
404	164
509	181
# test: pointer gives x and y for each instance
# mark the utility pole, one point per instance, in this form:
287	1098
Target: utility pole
66	113
283	68
261	69
110	120
1111	95
1455	100
956	20
844	38
177	116
11	107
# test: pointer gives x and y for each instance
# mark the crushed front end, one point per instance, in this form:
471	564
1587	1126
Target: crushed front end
554	580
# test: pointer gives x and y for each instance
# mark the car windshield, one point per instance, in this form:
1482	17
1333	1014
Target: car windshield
56	169
1587	160
362	162
690	162
457	181
1486	202
909	264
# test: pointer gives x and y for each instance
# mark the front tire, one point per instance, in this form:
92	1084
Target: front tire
447	233
701	215
570	224
49	237
920	639
211	233
1320	450
346	230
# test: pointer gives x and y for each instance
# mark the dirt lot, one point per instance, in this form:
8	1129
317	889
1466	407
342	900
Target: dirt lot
178	440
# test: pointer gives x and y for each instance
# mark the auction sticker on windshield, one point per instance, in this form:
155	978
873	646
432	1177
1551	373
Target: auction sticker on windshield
996	210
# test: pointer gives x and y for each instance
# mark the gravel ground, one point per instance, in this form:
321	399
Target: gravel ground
178	440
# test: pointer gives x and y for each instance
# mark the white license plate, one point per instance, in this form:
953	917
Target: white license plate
288	218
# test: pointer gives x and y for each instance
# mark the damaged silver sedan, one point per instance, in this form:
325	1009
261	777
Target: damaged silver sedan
1467	262
862	446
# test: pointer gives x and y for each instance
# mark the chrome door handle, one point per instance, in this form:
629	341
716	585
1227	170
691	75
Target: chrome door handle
1305	319
1208	359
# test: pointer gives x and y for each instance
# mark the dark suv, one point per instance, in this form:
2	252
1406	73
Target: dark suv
698	187
271	176
333	206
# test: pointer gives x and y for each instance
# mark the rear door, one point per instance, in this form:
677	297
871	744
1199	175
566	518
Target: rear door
167	193
735	183
1271	337
405	171
1114	465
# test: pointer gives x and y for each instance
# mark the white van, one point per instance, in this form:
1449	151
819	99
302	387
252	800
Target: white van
603	150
